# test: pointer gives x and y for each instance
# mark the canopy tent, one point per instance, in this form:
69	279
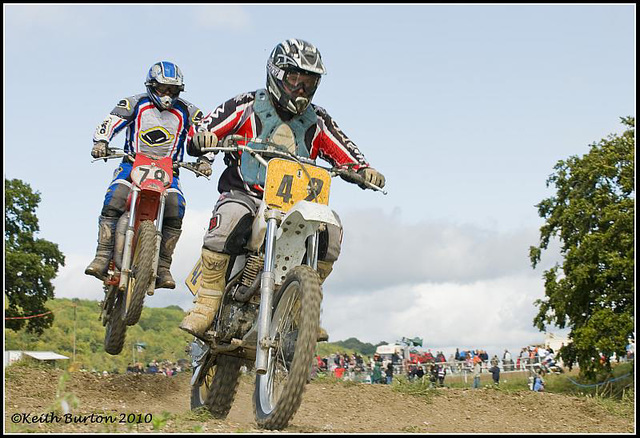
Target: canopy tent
45	355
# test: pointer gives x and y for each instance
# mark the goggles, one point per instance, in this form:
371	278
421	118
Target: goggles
167	90
294	80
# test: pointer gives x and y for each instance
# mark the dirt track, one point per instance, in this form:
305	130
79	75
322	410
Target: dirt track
327	408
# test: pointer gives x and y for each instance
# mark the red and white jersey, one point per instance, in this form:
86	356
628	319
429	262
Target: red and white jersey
236	116
149	130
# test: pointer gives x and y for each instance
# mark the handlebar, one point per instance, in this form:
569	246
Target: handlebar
115	153
230	144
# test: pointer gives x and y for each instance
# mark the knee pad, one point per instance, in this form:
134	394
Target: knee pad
109	211
173	222
330	243
239	236
229	228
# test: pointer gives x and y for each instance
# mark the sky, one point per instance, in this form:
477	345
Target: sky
464	108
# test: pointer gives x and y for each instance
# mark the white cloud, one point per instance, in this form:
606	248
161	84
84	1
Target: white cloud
380	251
488	314
221	17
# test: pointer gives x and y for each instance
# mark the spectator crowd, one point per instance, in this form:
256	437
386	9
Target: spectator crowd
433	368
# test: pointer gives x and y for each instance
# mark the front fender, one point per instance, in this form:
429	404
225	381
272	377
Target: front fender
310	212
302	221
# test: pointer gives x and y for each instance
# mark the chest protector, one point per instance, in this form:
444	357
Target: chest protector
287	134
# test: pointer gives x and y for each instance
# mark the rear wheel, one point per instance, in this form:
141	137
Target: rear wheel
141	271
218	388
294	330
116	327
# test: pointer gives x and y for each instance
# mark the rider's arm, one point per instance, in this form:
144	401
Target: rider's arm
226	119
119	118
332	145
193	116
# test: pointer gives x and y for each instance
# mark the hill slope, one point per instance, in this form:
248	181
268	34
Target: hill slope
157	329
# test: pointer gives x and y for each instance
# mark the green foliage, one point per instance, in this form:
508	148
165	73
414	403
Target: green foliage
349	346
30	263
364	348
157	328
592	215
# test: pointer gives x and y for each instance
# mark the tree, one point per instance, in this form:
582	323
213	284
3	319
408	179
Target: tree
592	215
30	263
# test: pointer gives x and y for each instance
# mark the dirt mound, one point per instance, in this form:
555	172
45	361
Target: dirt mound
327	407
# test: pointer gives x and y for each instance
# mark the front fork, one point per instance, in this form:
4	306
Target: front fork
267	286
156	257
128	242
125	272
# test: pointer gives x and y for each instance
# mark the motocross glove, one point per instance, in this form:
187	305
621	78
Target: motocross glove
99	149
203	166
371	176
206	139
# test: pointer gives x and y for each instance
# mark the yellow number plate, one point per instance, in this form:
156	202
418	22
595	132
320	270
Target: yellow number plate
195	277
287	183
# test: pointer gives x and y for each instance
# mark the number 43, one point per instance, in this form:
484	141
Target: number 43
284	191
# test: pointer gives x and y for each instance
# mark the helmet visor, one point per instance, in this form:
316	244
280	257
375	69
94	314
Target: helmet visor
296	80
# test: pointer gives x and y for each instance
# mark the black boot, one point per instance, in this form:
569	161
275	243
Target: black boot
106	236
170	238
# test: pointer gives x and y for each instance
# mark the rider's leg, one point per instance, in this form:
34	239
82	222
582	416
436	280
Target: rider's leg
113	207
171	231
170	236
330	242
229	231
104	252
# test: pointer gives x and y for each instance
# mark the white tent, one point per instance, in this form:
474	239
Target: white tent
45	355
11	356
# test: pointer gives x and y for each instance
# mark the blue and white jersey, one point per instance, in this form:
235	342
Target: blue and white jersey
149	130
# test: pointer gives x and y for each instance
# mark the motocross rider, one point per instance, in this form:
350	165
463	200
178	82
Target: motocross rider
157	123
282	113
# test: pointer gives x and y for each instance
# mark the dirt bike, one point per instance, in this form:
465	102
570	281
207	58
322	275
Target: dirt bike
133	268
270	310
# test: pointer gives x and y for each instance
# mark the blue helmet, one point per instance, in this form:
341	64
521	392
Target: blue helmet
164	84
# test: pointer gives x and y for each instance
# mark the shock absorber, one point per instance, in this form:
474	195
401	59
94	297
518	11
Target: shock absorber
250	280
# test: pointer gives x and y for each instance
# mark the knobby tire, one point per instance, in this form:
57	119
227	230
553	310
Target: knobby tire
142	269
116	327
309	298
219	387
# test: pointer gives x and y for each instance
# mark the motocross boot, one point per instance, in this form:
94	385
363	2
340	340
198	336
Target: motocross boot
170	238
106	238
324	269
214	269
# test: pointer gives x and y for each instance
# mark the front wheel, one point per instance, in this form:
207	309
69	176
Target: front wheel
294	330
141	271
116	326
218	387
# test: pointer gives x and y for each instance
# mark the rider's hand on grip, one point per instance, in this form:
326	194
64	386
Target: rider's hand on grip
371	176
99	149
204	167
205	139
